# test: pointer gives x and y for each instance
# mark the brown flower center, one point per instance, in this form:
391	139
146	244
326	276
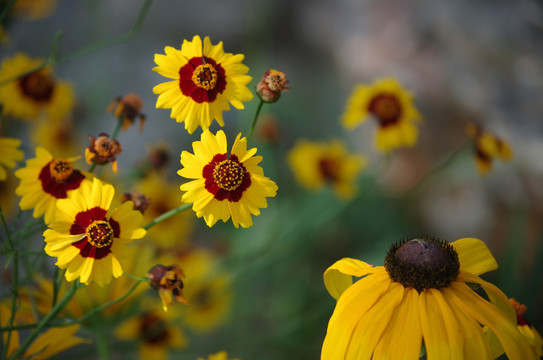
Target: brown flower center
61	169
228	175
99	233
386	108
205	76
39	86
329	168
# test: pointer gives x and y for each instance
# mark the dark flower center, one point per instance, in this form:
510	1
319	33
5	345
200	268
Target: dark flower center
329	168
422	263
205	76
99	233
39	86
386	108
153	329
228	175
61	169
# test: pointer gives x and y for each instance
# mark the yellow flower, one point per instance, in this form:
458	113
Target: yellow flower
422	293
9	148
87	237
225	185
391	106
174	231
205	80
47	344
487	148
317	163
33	95
221	355
58	137
156	332
44	180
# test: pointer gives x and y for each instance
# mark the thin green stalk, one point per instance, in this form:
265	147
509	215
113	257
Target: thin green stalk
167	215
102	345
54	311
255	119
15	282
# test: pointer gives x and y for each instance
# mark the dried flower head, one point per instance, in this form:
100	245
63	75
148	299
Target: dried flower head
271	85
167	280
128	109
103	150
141	202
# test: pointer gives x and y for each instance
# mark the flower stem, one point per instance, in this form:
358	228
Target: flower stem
54	311
255	119
167	215
15	281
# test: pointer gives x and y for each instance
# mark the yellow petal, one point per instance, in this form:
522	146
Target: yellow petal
474	256
339	276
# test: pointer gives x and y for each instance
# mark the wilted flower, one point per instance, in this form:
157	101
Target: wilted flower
271	85
141	202
487	148
167	280
128	109
103	150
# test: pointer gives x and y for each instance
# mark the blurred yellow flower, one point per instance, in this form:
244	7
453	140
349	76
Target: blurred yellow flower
44	180
221	355
224	185
9	148
58	136
391	106
206	79
34	9
422	293
487	148
34	95
87	237
316	164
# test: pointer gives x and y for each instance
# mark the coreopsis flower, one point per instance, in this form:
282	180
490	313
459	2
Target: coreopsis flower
423	293
156	332
225	186
103	150
272	84
87	236
44	181
391	106
487	148
221	355
205	80
128	109
316	164
167	280
57	136
140	201
34	95
528	330
9	148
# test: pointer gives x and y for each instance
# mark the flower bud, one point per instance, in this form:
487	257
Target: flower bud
271	85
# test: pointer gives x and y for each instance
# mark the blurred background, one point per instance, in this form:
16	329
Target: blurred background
464	61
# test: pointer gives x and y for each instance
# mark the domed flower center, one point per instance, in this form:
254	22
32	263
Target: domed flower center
329	168
61	169
422	263
386	108
205	76
228	175
99	233
39	86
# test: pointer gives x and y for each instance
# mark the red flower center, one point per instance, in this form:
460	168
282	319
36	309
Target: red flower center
202	79
99	233
39	86
57	179
386	108
226	178
61	169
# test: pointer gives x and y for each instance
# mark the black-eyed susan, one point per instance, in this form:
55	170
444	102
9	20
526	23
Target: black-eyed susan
221	355
9	148
205	80
225	185
528	330
316	164
156	332
423	294
391	106
34	95
44	180
487	148
87	237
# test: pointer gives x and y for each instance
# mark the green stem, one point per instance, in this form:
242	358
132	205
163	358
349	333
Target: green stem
15	281
255	119
53	60
54	311
167	215
102	345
